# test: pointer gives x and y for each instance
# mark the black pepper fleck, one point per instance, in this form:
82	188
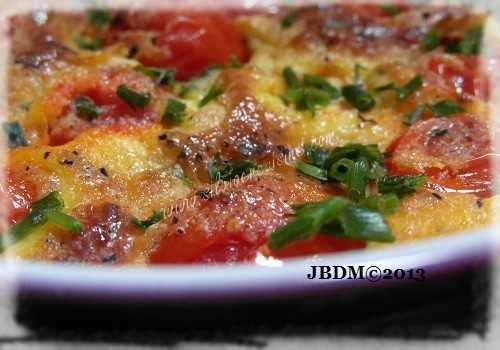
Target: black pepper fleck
162	137
437	196
46	155
104	171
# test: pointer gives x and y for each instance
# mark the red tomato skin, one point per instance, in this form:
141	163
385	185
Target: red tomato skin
461	73
318	244
469	171
17	194
192	42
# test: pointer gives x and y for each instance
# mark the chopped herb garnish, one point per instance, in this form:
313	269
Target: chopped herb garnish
354	151
335	216
15	135
99	17
385	203
431	40
47	209
291	78
414	115
471	42
213	93
159	75
358	97
445	108
391	10
311	170
289	19
316	155
155	218
86	108
91	44
64	221
321	84
401	185
409	88
309	93
174	112
403	92
133	98
225	170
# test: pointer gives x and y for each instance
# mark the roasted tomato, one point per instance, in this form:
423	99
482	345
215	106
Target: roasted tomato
461	73
17	195
189	42
234	225
316	245
454	152
101	87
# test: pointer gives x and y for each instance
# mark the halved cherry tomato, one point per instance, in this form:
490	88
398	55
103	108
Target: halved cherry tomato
101	87
17	194
455	153
190	42
318	244
461	73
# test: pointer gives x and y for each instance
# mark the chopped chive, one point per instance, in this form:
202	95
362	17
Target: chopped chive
99	17
357	222
358	98
91	44
159	75
219	170
354	151
409	88
335	216
431	40
401	185
471	42
86	108
391	10
312	171
14	134
133	98
321	84
64	221
291	78
46	209
174	112
316	155
212	93
385	203
155	218
446	108
289	19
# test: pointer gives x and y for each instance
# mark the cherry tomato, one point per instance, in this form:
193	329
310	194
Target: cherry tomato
190	42
318	244
461	73
100	86
17	194
455	153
